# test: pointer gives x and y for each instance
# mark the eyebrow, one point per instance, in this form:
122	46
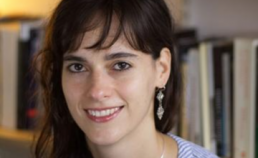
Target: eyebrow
119	55
112	56
73	58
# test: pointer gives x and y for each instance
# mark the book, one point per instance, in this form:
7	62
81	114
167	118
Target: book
1	83
242	98
227	71
254	99
184	121
207	92
30	41
210	72
204	87
19	41
9	48
185	39
222	63
193	100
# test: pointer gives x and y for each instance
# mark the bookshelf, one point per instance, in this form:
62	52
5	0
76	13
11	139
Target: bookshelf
18	135
15	143
234	106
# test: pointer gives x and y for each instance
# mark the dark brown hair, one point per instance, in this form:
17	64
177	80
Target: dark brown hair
147	26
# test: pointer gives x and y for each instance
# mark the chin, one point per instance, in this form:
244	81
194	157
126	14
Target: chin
103	138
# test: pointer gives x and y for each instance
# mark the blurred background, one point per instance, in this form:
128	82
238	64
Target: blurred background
27	7
217	42
218	17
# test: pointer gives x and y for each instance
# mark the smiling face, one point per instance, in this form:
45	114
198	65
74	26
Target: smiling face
110	92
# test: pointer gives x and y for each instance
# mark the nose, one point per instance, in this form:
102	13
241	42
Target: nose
100	87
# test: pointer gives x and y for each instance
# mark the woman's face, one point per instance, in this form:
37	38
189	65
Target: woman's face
110	92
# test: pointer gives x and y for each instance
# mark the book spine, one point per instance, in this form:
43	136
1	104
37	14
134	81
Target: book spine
242	73
227	102
218	100
256	102
223	62
211	95
9	80
1	80
32	99
29	43
205	97
195	132
253	98
23	58
183	111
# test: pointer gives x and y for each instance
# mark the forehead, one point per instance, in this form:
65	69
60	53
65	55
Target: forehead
106	36
92	37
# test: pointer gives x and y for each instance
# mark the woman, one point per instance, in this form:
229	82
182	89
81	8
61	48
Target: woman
111	82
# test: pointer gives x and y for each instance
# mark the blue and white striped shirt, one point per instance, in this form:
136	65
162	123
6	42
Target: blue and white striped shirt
190	150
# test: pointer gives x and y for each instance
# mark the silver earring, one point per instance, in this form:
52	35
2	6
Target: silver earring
160	97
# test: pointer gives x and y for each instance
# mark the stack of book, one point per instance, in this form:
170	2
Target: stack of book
221	95
20	40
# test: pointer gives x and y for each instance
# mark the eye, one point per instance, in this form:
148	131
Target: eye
122	66
76	68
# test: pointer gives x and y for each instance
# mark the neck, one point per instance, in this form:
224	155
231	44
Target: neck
163	147
136	144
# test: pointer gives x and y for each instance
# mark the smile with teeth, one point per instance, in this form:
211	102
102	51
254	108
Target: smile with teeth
103	113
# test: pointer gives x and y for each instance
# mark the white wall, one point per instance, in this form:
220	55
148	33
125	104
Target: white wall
176	7
222	17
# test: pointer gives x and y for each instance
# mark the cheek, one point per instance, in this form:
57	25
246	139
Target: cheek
137	89
72	93
72	90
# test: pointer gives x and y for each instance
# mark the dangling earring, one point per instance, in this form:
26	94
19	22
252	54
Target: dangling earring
160	97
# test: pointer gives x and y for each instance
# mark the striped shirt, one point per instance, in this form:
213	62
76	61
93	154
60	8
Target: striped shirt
190	150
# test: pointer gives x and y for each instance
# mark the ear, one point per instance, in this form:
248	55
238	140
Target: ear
163	65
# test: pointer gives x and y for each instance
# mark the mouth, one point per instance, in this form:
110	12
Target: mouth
103	115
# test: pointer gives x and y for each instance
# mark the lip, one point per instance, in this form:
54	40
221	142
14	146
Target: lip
103	119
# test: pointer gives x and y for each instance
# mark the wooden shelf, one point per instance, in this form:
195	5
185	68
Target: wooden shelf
17	135
15	143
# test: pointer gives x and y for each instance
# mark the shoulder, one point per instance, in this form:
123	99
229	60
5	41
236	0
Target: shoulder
187	149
